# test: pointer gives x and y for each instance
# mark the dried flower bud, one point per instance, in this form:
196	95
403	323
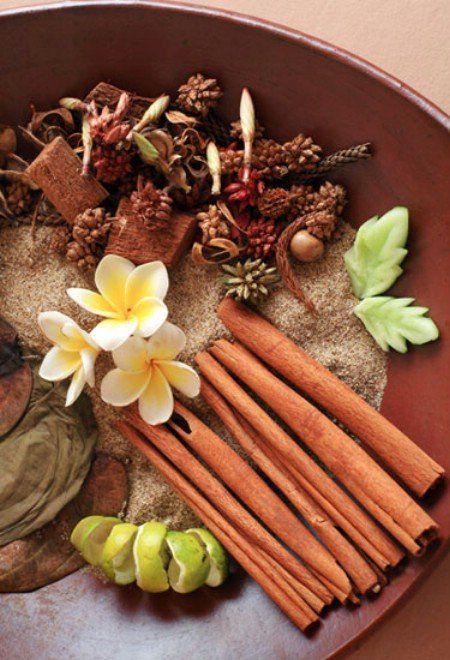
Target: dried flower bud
247	116
87	145
147	150
151	115
214	164
72	103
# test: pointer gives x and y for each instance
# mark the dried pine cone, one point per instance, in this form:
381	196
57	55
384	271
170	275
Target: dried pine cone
89	233
111	165
231	160
268	157
198	95
251	280
213	224
18	197
301	153
321	224
153	206
330	197
274	203
59	240
236	130
81	255
262	236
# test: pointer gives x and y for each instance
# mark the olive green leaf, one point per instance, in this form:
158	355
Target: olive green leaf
373	262
393	322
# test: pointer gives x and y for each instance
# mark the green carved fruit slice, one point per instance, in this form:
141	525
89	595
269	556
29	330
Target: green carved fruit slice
218	558
189	566
373	262
151	557
89	537
117	556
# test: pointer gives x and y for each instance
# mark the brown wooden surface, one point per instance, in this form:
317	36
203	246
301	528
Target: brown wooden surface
297	84
57	171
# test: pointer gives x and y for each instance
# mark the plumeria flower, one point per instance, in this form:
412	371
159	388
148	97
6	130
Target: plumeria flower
73	354
130	299
146	372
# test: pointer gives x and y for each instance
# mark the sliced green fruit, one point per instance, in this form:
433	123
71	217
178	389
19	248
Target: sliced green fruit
117	556
394	321
82	528
373	262
189	566
151	557
89	537
218	558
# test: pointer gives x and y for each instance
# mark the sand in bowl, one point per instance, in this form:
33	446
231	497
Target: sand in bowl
335	337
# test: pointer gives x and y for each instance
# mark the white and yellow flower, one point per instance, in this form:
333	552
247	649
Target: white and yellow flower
147	371
131	300
73	354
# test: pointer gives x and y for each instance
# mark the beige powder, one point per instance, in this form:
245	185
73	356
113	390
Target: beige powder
335	337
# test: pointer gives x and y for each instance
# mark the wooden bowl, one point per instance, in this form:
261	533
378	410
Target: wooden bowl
298	83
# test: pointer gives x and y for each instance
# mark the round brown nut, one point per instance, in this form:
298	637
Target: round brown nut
305	247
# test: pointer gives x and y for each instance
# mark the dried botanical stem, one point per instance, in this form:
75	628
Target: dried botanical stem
253	491
342	455
219	496
362	575
331	162
418	470
314	479
255	562
285	266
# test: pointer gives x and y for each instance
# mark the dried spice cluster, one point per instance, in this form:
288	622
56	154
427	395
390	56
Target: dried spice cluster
243	188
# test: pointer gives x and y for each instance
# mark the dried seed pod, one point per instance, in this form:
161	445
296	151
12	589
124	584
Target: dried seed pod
305	247
213	224
198	95
250	280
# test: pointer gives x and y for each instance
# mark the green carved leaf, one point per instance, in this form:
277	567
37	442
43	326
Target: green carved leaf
393	322
373	262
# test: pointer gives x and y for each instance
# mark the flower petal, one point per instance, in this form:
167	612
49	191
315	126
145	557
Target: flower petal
78	336
111	333
182	377
51	324
156	402
150	314
166	343
88	357
59	364
111	278
93	302
76	386
120	388
132	355
147	281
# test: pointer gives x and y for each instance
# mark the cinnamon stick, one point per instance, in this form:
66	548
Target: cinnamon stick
356	567
251	558
240	477
344	457
319	485
416	469
169	445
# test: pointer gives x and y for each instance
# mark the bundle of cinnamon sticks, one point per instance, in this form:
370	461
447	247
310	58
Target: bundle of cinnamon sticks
333	548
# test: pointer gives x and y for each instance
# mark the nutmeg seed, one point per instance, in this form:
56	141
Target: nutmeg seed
306	247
